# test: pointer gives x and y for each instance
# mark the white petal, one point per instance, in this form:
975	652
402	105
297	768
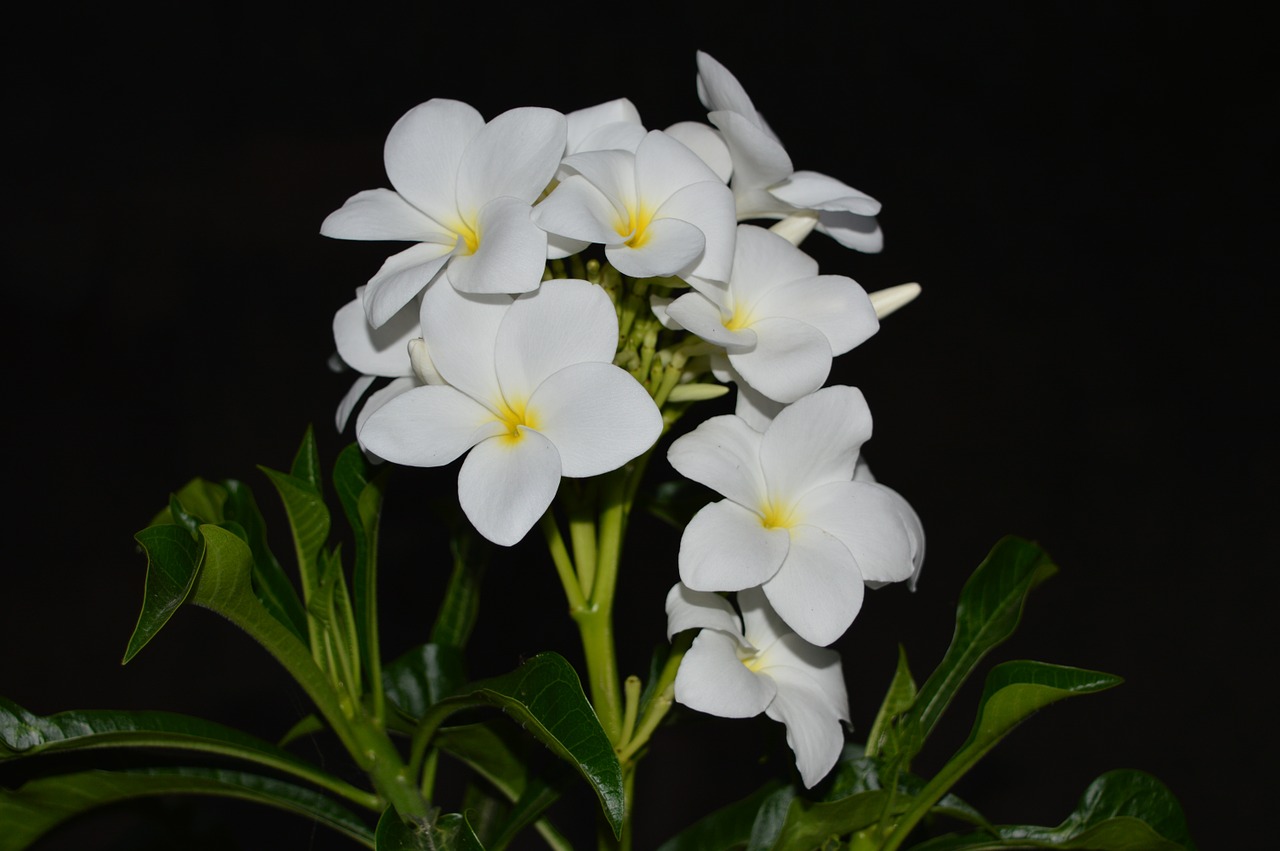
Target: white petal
613	173
722	453
819	665
790	359
725	547
670	247
506	483
351	399
381	214
577	210
383	351
759	161
689	609
814	441
597	415
665	166
565	322
712	679
795	226
510	256
620	136
515	154
423	152
582	122
818	589
833	304
695	312
427	426
809	190
704	141
560	247
763	261
867	518
761	625
380	397
860	233
708	205
402	277
757	409
719	89
461	332
813	730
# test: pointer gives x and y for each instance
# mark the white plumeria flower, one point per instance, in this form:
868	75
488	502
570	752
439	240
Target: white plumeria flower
779	321
740	667
463	192
658	211
531	396
765	183
794	521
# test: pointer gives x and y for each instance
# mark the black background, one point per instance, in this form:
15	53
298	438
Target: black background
1078	187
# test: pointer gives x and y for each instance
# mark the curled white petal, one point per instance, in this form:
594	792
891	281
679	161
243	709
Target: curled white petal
689	609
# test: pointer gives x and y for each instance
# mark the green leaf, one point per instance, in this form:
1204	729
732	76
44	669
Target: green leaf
173	560
24	734
725	829
461	602
769	819
809	825
360	493
39	805
988	612
489	750
423	676
306	462
450	832
309	524
897	700
677	501
545	697
1013	692
198	498
270	582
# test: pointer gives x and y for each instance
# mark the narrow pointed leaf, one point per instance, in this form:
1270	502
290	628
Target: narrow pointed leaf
360	493
24	734
988	612
270	582
308	522
39	805
461	603
898	699
173	560
770	818
545	696
306	463
1013	692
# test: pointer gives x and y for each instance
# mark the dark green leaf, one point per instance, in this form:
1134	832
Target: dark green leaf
394	834
308	521
461	602
24	734
173	560
33	809
770	818
677	501
198	498
725	829
545	697
305	727
270	582
809	825
897	700
423	676
988	612
360	493
306	463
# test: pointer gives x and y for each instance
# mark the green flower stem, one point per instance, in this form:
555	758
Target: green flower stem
933	791
631	704
661	696
229	593
582	532
564	565
428	786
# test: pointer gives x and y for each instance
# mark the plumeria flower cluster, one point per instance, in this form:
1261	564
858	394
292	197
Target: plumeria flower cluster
574	284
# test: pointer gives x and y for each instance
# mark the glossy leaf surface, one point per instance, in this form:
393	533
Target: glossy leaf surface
39	805
545	697
173	559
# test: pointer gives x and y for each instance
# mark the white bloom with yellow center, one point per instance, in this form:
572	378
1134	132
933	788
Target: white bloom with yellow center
659	210
794	521
779	321
531	396
740	667
463	192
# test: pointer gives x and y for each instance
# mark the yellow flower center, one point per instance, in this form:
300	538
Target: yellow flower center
739	319
777	516
635	226
468	233
513	416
